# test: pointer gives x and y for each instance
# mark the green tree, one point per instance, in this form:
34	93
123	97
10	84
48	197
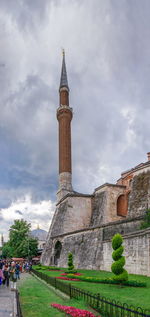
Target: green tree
146	222
7	251
20	243
70	262
121	274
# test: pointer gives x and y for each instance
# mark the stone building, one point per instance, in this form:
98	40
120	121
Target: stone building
84	224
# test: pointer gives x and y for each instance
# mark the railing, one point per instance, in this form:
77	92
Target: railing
107	307
19	313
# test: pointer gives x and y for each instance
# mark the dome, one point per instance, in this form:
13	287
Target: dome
39	234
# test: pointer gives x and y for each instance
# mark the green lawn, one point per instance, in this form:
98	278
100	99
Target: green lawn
36	297
136	296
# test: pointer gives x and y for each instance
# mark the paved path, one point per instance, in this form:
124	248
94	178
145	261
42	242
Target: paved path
7	301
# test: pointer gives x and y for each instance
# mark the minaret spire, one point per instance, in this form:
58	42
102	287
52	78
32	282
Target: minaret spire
63	78
64	117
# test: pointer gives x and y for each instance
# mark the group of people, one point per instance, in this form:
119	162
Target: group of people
10	271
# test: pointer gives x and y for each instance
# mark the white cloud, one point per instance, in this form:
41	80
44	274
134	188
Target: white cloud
107	54
23	208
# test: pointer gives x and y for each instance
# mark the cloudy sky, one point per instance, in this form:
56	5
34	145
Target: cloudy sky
107	44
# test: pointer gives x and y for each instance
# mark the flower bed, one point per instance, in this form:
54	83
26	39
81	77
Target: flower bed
54	270
76	274
72	311
108	281
47	268
67	278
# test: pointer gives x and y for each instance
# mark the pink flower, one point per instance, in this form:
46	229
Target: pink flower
72	311
66	278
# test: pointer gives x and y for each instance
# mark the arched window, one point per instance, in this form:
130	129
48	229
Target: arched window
122	205
57	251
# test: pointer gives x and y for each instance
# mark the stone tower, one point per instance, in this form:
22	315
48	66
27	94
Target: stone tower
64	117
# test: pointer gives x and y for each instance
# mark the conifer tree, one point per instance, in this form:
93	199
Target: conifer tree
121	275
70	262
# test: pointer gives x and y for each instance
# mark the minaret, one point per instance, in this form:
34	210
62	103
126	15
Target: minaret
64	117
2	240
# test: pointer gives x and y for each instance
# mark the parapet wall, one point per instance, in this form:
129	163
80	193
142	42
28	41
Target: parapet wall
137	253
73	213
92	247
139	199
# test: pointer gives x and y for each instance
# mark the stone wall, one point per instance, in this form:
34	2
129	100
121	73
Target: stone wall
137	253
92	247
139	198
86	248
122	227
105	203
71	214
98	208
113	193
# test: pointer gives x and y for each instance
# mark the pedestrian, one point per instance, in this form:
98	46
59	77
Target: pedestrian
6	274
13	278
17	271
30	267
20	267
27	267
1	276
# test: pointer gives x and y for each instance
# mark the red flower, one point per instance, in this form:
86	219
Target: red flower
72	311
66	278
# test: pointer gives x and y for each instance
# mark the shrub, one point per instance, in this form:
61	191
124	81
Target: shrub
71	271
53	268
70	262
44	268
107	281
38	268
146	222
117	241
121	274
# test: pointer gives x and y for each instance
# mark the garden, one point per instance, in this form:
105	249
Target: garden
37	300
92	292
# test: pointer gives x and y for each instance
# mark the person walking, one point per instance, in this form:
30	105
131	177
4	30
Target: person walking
17	271
1	276
13	278
6	275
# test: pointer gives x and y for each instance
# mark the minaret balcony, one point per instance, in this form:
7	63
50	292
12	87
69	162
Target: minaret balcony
64	109
61	107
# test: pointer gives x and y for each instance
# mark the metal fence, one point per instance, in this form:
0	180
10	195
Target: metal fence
107	307
19	313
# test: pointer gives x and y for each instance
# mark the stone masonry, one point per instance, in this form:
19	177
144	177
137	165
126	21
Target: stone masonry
85	224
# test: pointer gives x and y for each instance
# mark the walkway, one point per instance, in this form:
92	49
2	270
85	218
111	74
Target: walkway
7	302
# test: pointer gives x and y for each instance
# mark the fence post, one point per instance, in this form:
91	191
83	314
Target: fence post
98	299
70	291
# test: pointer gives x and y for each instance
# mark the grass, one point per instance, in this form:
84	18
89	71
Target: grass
124	294
36	297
